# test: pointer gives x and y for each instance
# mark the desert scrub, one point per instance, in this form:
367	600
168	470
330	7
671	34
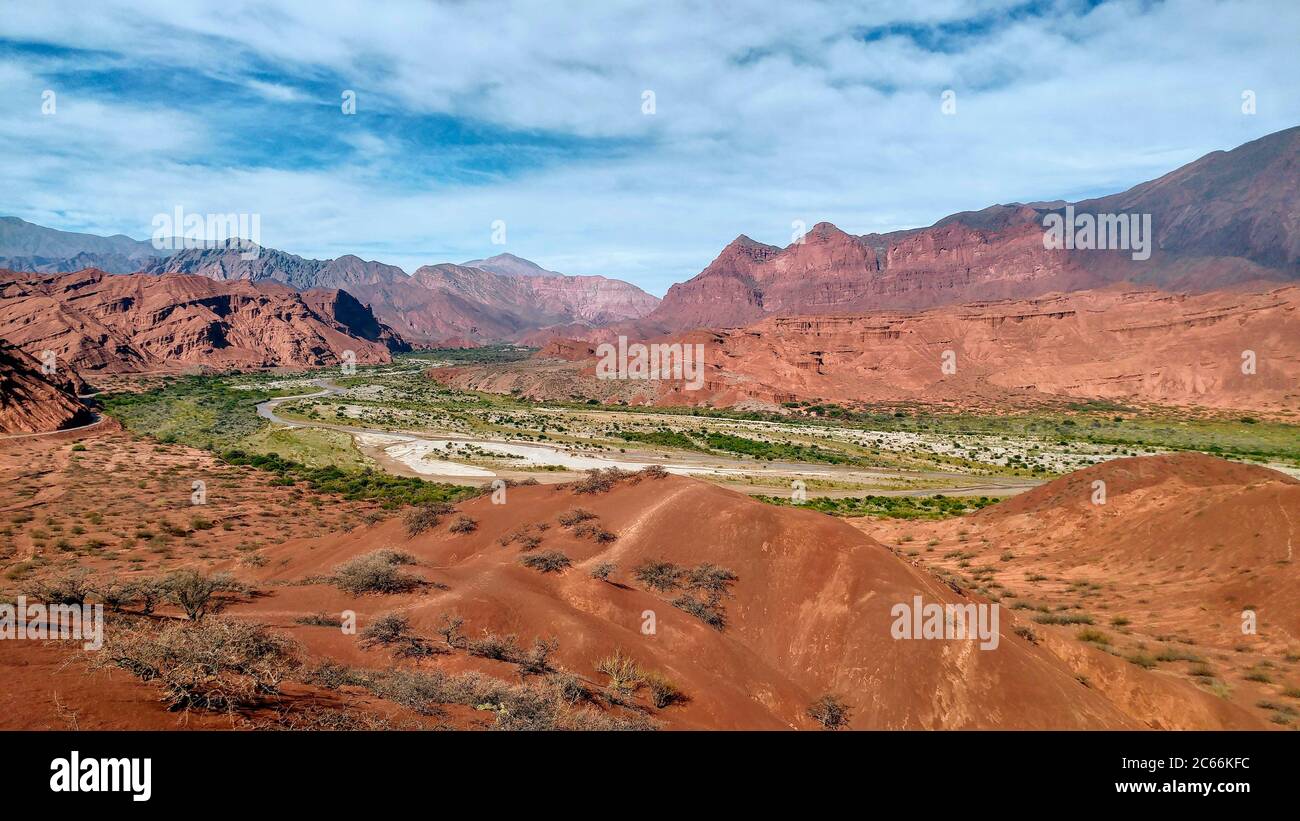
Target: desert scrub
214	664
549	561
624	674
376	572
425	517
603	571
830	712
463	524
663	692
576	516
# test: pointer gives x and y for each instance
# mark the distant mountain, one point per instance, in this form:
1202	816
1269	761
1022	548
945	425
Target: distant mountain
25	246
1227	218
442	303
511	266
121	323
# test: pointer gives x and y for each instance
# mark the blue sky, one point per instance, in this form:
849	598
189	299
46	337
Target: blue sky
766	115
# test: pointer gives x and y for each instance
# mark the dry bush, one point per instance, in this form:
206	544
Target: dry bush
394	630
710	578
659	575
590	530
424	517
599	481
376	572
449	628
331	719
603	571
536	661
577	515
332	675
148	593
64	587
463	524
214	664
622	670
196	594
663	692
708	611
524	536
830	712
493	646
550	561
115	593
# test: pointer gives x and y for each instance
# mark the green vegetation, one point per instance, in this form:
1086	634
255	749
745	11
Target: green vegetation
777	450
391	491
891	507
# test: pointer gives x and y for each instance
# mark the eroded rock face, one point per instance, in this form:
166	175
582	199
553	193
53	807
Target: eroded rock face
1115	343
97	322
32	401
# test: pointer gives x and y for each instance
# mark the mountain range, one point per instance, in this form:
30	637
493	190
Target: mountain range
1229	219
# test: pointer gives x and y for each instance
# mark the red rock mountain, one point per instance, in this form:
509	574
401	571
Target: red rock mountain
1115	343
33	402
438	303
97	322
1226	218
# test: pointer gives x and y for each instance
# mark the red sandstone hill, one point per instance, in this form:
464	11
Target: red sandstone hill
809	613
1116	343
33	402
97	322
1180	554
1223	219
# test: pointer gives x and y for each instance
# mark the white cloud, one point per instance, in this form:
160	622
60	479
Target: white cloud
767	113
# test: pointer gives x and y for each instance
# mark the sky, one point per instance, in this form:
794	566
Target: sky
469	116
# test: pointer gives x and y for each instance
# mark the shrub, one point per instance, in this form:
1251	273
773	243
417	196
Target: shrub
195	593
215	664
537	660
463	524
148	592
588	530
622	670
706	611
493	646
577	515
663	692
65	587
603	571
1027	633
332	675
393	629
449	629
550	561
376	572
598	481
319	620
710	578
830	712
658	575
424	517
1092	636
114	593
